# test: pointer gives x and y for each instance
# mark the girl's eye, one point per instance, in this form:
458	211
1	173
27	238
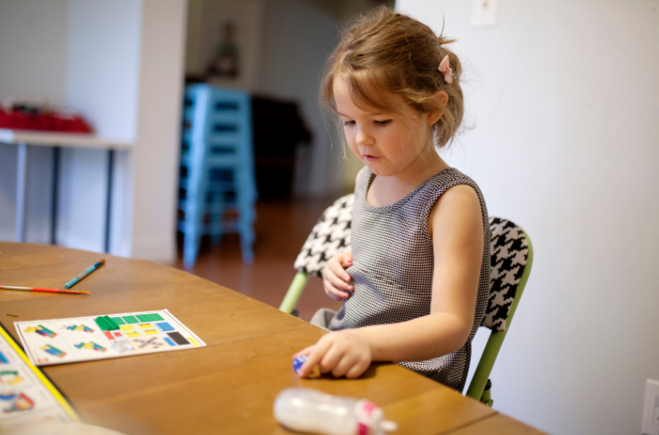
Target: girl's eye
347	123
381	123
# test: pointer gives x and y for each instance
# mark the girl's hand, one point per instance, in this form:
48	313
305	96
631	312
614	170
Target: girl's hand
344	353
336	280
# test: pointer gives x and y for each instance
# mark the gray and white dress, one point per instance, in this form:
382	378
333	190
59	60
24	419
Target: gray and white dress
392	270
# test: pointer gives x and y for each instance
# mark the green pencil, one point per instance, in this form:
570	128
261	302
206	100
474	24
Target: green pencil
87	271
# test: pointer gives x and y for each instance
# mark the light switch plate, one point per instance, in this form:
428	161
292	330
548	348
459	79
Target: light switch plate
650	424
485	13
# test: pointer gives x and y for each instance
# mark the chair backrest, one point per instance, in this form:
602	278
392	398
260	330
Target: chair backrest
510	250
512	257
329	236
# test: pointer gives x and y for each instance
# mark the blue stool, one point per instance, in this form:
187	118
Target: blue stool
217	187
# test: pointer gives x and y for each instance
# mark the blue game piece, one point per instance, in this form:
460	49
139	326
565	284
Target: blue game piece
164	326
298	361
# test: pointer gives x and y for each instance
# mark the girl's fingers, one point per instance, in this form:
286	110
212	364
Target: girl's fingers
343	366
336	280
341	273
339	283
329	361
336	295
346	259
334	292
304	352
314	356
357	369
337	267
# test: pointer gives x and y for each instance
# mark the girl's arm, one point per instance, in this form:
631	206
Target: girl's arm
456	226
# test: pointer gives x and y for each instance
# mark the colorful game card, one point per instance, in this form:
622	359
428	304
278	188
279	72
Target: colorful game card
26	395
60	341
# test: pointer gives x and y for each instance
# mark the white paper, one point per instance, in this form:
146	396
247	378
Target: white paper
61	341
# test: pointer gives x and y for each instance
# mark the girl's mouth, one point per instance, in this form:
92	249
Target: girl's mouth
370	158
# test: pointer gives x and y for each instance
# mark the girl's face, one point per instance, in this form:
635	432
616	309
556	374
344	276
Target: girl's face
388	144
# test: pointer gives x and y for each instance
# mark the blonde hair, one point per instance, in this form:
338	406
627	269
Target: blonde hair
385	52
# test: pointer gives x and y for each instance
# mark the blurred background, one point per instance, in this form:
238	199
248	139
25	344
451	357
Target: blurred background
561	134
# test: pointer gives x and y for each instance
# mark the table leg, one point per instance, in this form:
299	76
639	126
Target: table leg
108	207
21	191
55	197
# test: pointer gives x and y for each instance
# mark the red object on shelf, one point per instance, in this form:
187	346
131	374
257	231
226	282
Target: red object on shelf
45	121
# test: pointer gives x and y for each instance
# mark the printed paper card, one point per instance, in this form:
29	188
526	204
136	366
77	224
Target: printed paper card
26	395
59	341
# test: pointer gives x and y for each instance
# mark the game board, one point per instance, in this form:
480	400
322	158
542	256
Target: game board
26	395
60	341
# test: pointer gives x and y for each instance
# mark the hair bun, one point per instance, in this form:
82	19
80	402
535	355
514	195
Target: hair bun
443	40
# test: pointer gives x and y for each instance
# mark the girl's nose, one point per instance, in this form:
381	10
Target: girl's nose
363	138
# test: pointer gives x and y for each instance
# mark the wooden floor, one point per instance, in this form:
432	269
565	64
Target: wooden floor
281	228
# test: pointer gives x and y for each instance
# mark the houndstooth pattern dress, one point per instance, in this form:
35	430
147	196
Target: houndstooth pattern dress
393	266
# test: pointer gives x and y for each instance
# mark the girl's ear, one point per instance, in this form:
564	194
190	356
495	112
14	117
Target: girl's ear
442	99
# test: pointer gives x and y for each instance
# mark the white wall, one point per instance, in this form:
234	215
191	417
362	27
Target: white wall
564	101
40	29
104	63
155	158
134	91
103	67
297	38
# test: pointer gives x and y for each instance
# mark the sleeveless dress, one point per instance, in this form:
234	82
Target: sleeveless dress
393	266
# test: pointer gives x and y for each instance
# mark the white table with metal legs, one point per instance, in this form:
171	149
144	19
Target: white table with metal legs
24	139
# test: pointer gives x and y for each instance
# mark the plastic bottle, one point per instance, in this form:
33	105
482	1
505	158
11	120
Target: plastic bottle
307	410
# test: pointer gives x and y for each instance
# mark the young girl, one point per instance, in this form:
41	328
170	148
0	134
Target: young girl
416	280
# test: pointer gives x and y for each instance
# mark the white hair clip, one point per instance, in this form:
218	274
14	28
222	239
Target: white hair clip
446	71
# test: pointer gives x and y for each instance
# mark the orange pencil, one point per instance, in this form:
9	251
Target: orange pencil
45	290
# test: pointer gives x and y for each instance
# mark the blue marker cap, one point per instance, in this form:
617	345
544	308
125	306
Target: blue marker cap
298	361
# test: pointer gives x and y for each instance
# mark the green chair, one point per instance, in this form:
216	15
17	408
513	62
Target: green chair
511	258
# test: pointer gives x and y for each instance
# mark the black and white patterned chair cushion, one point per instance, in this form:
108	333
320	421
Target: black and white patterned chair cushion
509	250
330	236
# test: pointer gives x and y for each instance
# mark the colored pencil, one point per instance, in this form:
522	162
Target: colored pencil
45	290
86	272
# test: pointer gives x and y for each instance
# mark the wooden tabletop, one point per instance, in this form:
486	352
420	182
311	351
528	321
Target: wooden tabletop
228	386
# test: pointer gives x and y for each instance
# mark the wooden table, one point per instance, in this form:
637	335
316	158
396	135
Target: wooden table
227	387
